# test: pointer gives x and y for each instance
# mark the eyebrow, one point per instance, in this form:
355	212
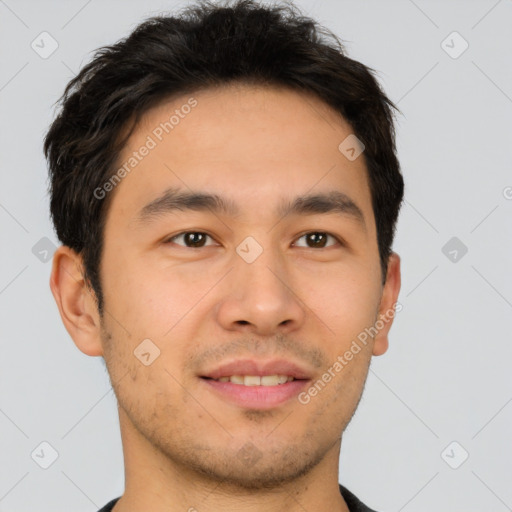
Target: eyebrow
174	199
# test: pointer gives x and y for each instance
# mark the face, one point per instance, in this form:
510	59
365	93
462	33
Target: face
213	305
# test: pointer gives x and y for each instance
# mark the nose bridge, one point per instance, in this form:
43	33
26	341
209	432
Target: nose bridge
260	293
256	265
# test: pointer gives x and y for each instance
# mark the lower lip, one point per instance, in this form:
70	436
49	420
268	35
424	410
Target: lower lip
257	397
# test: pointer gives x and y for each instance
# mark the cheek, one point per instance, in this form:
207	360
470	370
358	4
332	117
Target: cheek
148	300
167	306
345	301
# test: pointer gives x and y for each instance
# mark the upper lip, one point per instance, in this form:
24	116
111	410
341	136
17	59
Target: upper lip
259	368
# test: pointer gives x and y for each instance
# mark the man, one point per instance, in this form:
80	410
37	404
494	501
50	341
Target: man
226	188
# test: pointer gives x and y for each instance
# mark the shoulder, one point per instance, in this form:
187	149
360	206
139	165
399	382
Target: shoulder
110	505
353	502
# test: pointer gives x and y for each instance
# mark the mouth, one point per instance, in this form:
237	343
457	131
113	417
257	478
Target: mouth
256	380
257	384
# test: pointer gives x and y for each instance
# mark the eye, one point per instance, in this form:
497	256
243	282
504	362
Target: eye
317	240
190	238
197	239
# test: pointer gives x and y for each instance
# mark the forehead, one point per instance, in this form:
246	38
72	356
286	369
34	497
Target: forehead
251	144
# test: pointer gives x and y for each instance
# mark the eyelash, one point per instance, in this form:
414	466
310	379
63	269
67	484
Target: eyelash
337	239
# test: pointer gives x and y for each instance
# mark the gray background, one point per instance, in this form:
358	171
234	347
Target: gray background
447	374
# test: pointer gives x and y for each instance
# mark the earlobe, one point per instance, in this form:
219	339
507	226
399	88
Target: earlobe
76	302
388	305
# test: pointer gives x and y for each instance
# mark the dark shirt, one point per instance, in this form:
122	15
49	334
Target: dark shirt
353	503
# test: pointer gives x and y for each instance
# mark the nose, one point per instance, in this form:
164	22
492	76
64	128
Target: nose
261	298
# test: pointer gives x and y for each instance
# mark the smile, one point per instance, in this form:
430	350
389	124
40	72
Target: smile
256	380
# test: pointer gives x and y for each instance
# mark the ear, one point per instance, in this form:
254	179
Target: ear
388	306
76	301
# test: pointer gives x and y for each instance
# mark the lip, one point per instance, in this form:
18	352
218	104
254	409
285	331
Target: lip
257	397
259	368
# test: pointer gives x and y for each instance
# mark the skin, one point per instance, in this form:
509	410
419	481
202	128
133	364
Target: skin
205	305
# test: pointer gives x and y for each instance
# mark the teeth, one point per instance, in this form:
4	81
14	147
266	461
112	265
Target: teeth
270	380
255	380
250	380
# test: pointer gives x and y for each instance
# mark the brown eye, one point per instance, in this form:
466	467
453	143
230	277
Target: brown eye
190	239
317	240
